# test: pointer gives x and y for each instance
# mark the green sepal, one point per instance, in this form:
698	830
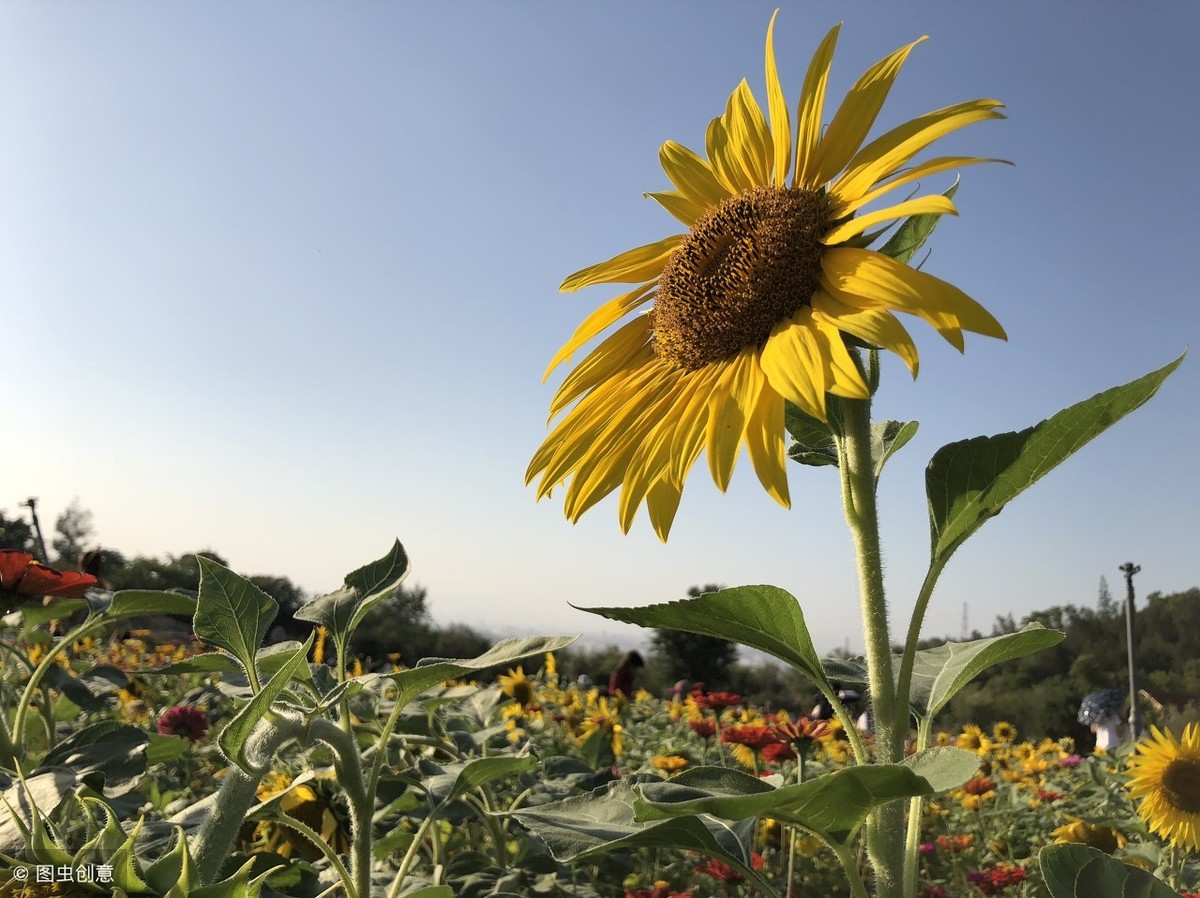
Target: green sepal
914	231
113	846
174	874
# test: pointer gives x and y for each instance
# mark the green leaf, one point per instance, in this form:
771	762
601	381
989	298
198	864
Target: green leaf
970	481
458	779
36	614
944	767
431	892
914	231
1080	871
235	736
887	438
431	671
232	613
165	748
135	602
834	804
940	672
175	872
603	821
765	618
205	662
109	750
114	847
812	439
239	885
340	612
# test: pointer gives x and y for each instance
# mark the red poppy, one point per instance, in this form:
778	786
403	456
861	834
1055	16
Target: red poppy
21	574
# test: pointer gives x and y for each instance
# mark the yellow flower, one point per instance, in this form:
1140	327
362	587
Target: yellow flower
603	719
318	651
1166	780
1105	838
519	686
752	304
550	666
1004	733
670	764
304	803
973	739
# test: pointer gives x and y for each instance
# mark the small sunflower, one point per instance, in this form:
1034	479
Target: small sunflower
1166	780
1095	835
1005	733
517	685
752	304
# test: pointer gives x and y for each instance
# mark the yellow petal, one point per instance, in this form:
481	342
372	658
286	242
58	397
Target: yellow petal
752	143
693	423
781	126
857	114
617	351
764	442
928	167
883	280
609	313
691	175
876	326
887	153
630	267
727	413
934	204
678	205
811	108
842	377
662	502
792	362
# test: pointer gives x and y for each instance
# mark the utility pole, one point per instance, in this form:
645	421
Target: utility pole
31	502
1135	720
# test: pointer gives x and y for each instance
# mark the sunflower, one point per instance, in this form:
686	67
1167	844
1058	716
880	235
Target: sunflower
1166	779
752	305
517	685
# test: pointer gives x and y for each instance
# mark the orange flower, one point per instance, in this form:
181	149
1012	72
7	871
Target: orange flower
23	575
955	843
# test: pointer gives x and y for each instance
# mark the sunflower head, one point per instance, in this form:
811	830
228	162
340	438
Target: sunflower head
1165	780
754	304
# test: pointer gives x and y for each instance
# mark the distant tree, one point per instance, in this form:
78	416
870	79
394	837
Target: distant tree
1105	605
460	641
694	656
16	533
74	532
145	572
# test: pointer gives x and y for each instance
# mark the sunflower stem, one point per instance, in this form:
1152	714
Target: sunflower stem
885	826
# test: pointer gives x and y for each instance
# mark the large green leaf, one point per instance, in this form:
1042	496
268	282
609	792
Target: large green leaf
970	481
108	755
914	231
456	780
766	618
232	613
834	804
940	672
1080	871
944	767
603	821
341	611
234	738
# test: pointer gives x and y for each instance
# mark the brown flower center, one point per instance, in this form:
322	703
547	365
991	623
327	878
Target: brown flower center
1181	783
747	264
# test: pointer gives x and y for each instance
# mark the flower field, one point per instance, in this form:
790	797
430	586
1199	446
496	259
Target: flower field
467	796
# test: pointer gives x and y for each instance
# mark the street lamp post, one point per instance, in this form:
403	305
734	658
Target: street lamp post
1135	720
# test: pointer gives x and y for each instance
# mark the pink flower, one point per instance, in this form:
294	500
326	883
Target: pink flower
1070	761
184	720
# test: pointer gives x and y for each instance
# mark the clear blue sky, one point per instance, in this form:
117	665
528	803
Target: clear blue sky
280	279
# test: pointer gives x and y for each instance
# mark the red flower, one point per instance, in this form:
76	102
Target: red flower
997	879
756	737
933	892
954	843
1048	795
23	575
703	728
661	889
722	872
802	731
716	701
182	720
978	786
777	752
